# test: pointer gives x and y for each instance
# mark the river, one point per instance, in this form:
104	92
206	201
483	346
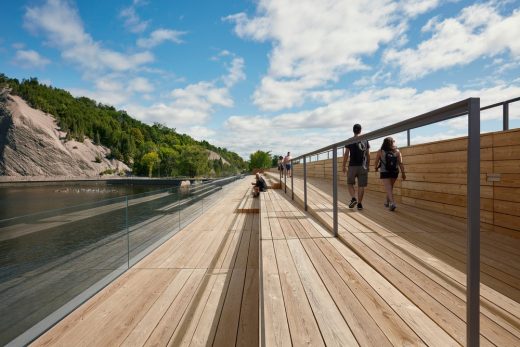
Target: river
28	198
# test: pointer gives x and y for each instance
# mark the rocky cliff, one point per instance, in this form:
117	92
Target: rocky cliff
31	144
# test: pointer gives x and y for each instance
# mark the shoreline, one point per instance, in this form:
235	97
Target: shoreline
13	181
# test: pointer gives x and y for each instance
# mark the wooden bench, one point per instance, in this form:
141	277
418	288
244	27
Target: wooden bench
249	203
423	255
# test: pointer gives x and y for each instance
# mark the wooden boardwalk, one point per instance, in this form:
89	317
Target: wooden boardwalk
238	277
422	254
199	287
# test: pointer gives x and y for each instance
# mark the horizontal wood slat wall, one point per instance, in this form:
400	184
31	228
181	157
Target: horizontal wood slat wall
436	178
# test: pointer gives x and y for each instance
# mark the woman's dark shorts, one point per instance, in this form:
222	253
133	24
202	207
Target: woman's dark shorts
388	175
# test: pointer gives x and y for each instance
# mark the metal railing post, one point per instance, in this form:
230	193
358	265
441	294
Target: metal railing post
408	137
292	180
505	117
285	181
305	182
473	242
335	190
127	233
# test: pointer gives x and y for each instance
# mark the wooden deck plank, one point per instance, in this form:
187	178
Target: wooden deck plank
107	324
171	319
276	228
227	328
389	321
265	228
248	325
363	326
207	325
190	319
147	324
334	329
302	324
421	323
275	326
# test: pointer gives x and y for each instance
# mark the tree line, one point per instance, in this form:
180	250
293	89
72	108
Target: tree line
154	150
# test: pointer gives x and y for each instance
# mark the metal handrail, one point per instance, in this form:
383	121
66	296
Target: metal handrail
394	127
471	107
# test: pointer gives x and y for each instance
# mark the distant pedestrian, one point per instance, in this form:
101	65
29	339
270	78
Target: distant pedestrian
287	164
280	165
389	160
358	167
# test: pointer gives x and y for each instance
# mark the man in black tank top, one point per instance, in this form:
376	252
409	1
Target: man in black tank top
358	166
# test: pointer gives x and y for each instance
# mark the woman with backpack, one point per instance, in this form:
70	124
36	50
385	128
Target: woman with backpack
389	159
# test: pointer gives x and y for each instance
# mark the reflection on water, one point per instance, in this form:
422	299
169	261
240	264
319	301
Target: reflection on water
19	201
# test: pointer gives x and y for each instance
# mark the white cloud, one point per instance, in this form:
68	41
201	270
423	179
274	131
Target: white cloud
316	42
416	7
304	131
30	59
63	27
478	31
192	106
105	96
140	85
199	132
18	45
132	20
236	72
159	36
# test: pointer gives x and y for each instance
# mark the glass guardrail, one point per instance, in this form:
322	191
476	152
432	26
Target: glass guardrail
52	261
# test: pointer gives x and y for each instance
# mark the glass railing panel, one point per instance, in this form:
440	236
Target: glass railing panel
49	258
152	217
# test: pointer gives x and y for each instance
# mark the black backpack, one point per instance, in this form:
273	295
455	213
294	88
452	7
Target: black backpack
391	161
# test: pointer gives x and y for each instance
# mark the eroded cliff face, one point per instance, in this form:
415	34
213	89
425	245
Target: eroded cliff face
31	144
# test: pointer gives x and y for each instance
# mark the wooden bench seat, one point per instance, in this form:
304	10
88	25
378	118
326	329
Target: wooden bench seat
249	203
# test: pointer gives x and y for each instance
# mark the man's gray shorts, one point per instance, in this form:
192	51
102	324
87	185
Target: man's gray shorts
359	172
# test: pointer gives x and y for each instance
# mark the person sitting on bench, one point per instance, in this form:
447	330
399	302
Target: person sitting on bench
259	185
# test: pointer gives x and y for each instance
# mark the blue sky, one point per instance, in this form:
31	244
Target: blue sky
271	74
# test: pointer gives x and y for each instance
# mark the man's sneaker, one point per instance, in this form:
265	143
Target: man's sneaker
352	203
393	207
359	206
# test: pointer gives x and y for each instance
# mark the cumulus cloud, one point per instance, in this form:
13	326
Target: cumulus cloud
314	43
132	20
159	36
478	31
236	72
61	23
199	132
30	59
192	106
304	131
414	8
140	85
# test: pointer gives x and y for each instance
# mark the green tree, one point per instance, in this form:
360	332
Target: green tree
128	139
150	160
194	161
274	160
259	160
169	161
